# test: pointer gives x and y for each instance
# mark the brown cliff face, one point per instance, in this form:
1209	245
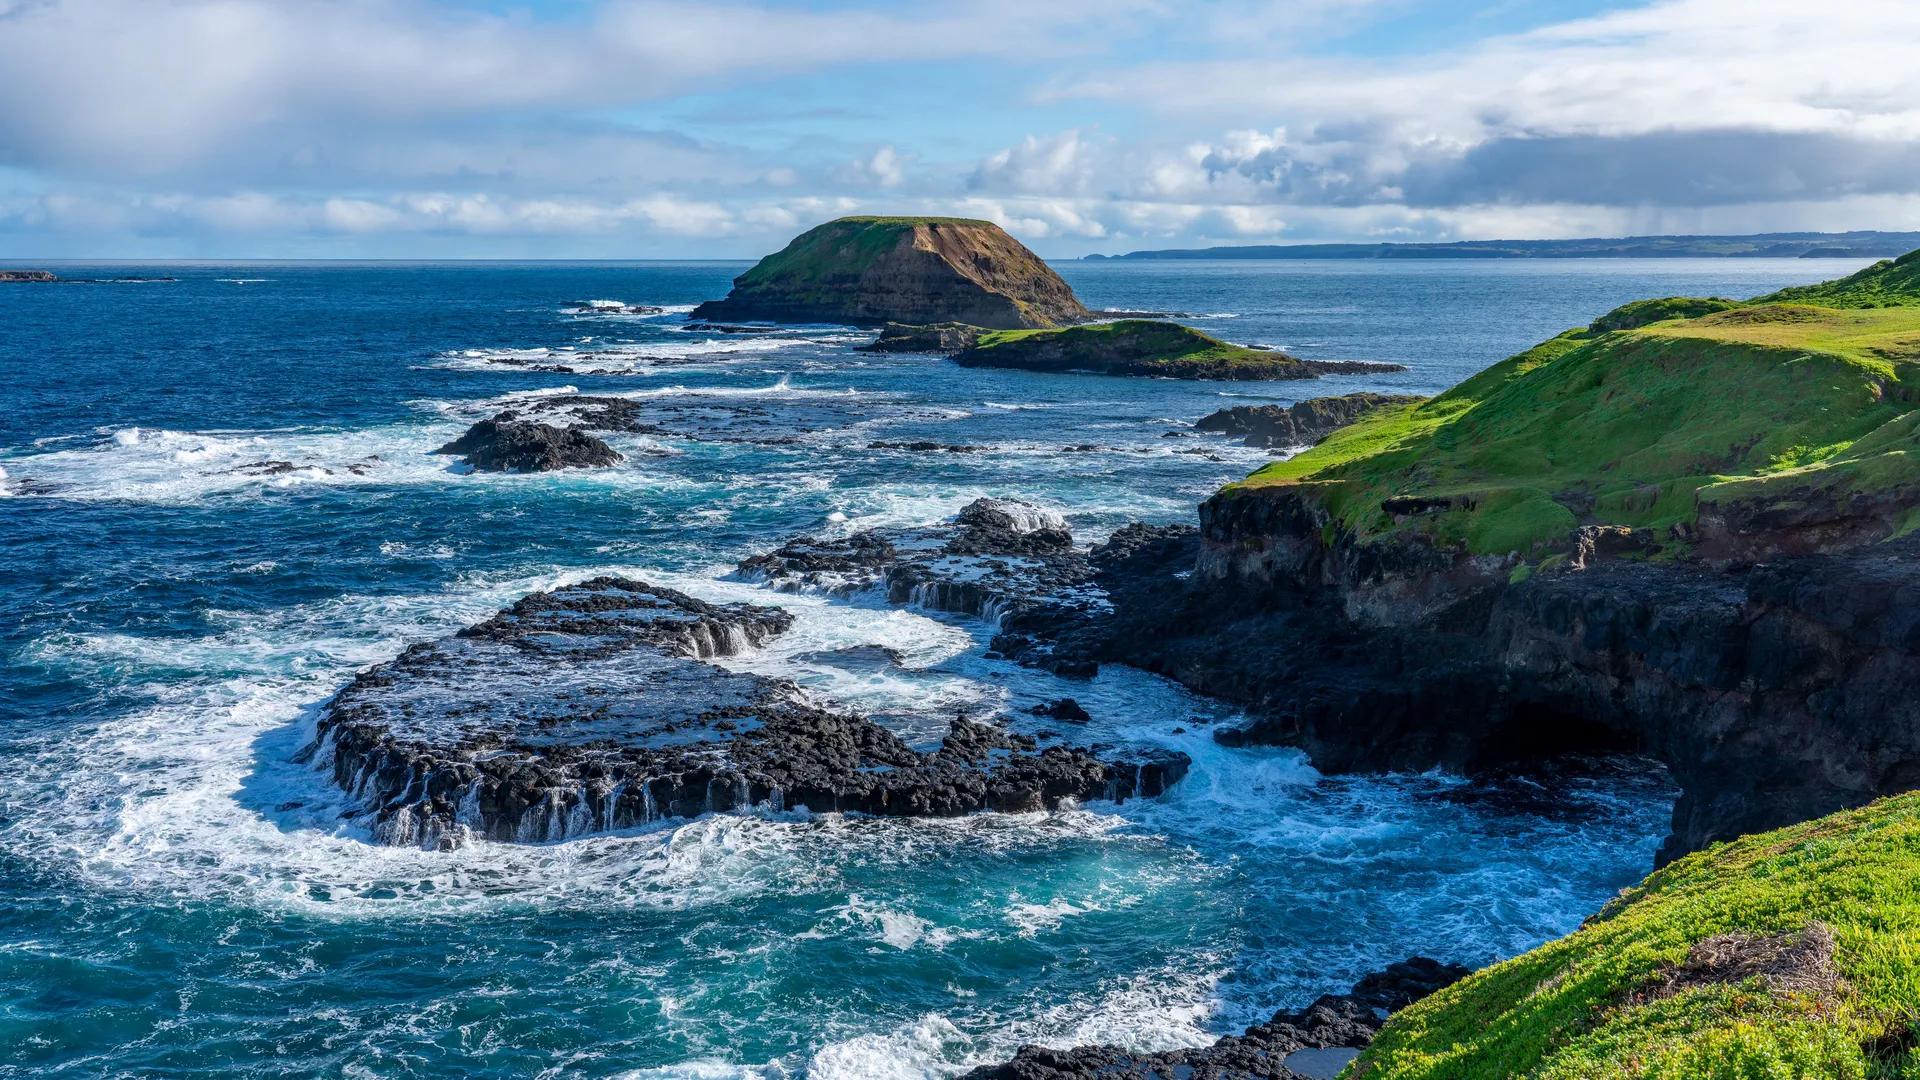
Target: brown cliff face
868	271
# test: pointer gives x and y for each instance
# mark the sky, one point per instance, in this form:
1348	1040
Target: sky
634	129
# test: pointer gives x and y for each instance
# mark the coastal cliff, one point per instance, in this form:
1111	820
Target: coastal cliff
1682	531
914	270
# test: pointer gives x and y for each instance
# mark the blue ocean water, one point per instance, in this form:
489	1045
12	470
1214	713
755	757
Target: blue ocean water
218	501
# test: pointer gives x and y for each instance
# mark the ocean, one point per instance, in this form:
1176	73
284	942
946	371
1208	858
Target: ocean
218	500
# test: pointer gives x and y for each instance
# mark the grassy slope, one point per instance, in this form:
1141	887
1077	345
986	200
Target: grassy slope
838	250
820	265
1579	1008
1633	426
1884	284
1147	341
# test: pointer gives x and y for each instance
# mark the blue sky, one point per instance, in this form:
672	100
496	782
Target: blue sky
669	129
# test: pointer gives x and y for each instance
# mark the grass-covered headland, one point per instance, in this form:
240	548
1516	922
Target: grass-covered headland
1784	955
1803	402
1147	347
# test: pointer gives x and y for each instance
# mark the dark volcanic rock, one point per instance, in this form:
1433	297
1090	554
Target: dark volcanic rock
1294	1045
590	708
1003	560
923	446
1064	709
28	275
520	446
1300	424
940	338
762	421
1773	693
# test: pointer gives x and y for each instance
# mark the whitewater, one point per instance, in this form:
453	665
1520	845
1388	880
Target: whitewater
217	504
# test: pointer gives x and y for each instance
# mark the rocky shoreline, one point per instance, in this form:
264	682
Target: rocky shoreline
1773	692
1313	1043
592	707
1009	562
1301	424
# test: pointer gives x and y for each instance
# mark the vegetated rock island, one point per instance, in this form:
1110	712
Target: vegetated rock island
1683	531
917	270
1148	347
956	286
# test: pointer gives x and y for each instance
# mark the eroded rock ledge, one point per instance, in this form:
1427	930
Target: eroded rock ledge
1004	560
1300	424
1313	1043
591	708
1773	692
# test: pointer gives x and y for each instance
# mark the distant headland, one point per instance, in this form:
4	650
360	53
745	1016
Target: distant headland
1788	245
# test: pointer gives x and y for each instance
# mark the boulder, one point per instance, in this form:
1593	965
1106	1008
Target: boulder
1313	1043
498	445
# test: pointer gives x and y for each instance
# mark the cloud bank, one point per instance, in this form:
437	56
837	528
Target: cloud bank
638	128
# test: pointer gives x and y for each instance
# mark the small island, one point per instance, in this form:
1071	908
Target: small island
1148	347
868	271
37	276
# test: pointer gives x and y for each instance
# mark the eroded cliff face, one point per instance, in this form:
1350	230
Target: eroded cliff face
869	271
1774	691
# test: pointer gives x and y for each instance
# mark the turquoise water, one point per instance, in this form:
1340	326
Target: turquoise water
176	896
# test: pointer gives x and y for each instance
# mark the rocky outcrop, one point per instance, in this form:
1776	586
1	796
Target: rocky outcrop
1773	692
1149	348
592	708
914	270
939	338
1313	1043
28	275
1003	560
1301	424
500	445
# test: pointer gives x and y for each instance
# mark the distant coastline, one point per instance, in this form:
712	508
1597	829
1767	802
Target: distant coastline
1791	245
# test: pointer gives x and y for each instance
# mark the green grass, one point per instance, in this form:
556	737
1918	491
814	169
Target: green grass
1889	283
831	255
1136	342
1639	313
1584	1007
1635	421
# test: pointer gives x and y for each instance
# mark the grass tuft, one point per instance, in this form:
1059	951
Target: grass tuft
1789	954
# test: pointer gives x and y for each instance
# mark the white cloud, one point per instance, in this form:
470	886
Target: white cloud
884	168
361	121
